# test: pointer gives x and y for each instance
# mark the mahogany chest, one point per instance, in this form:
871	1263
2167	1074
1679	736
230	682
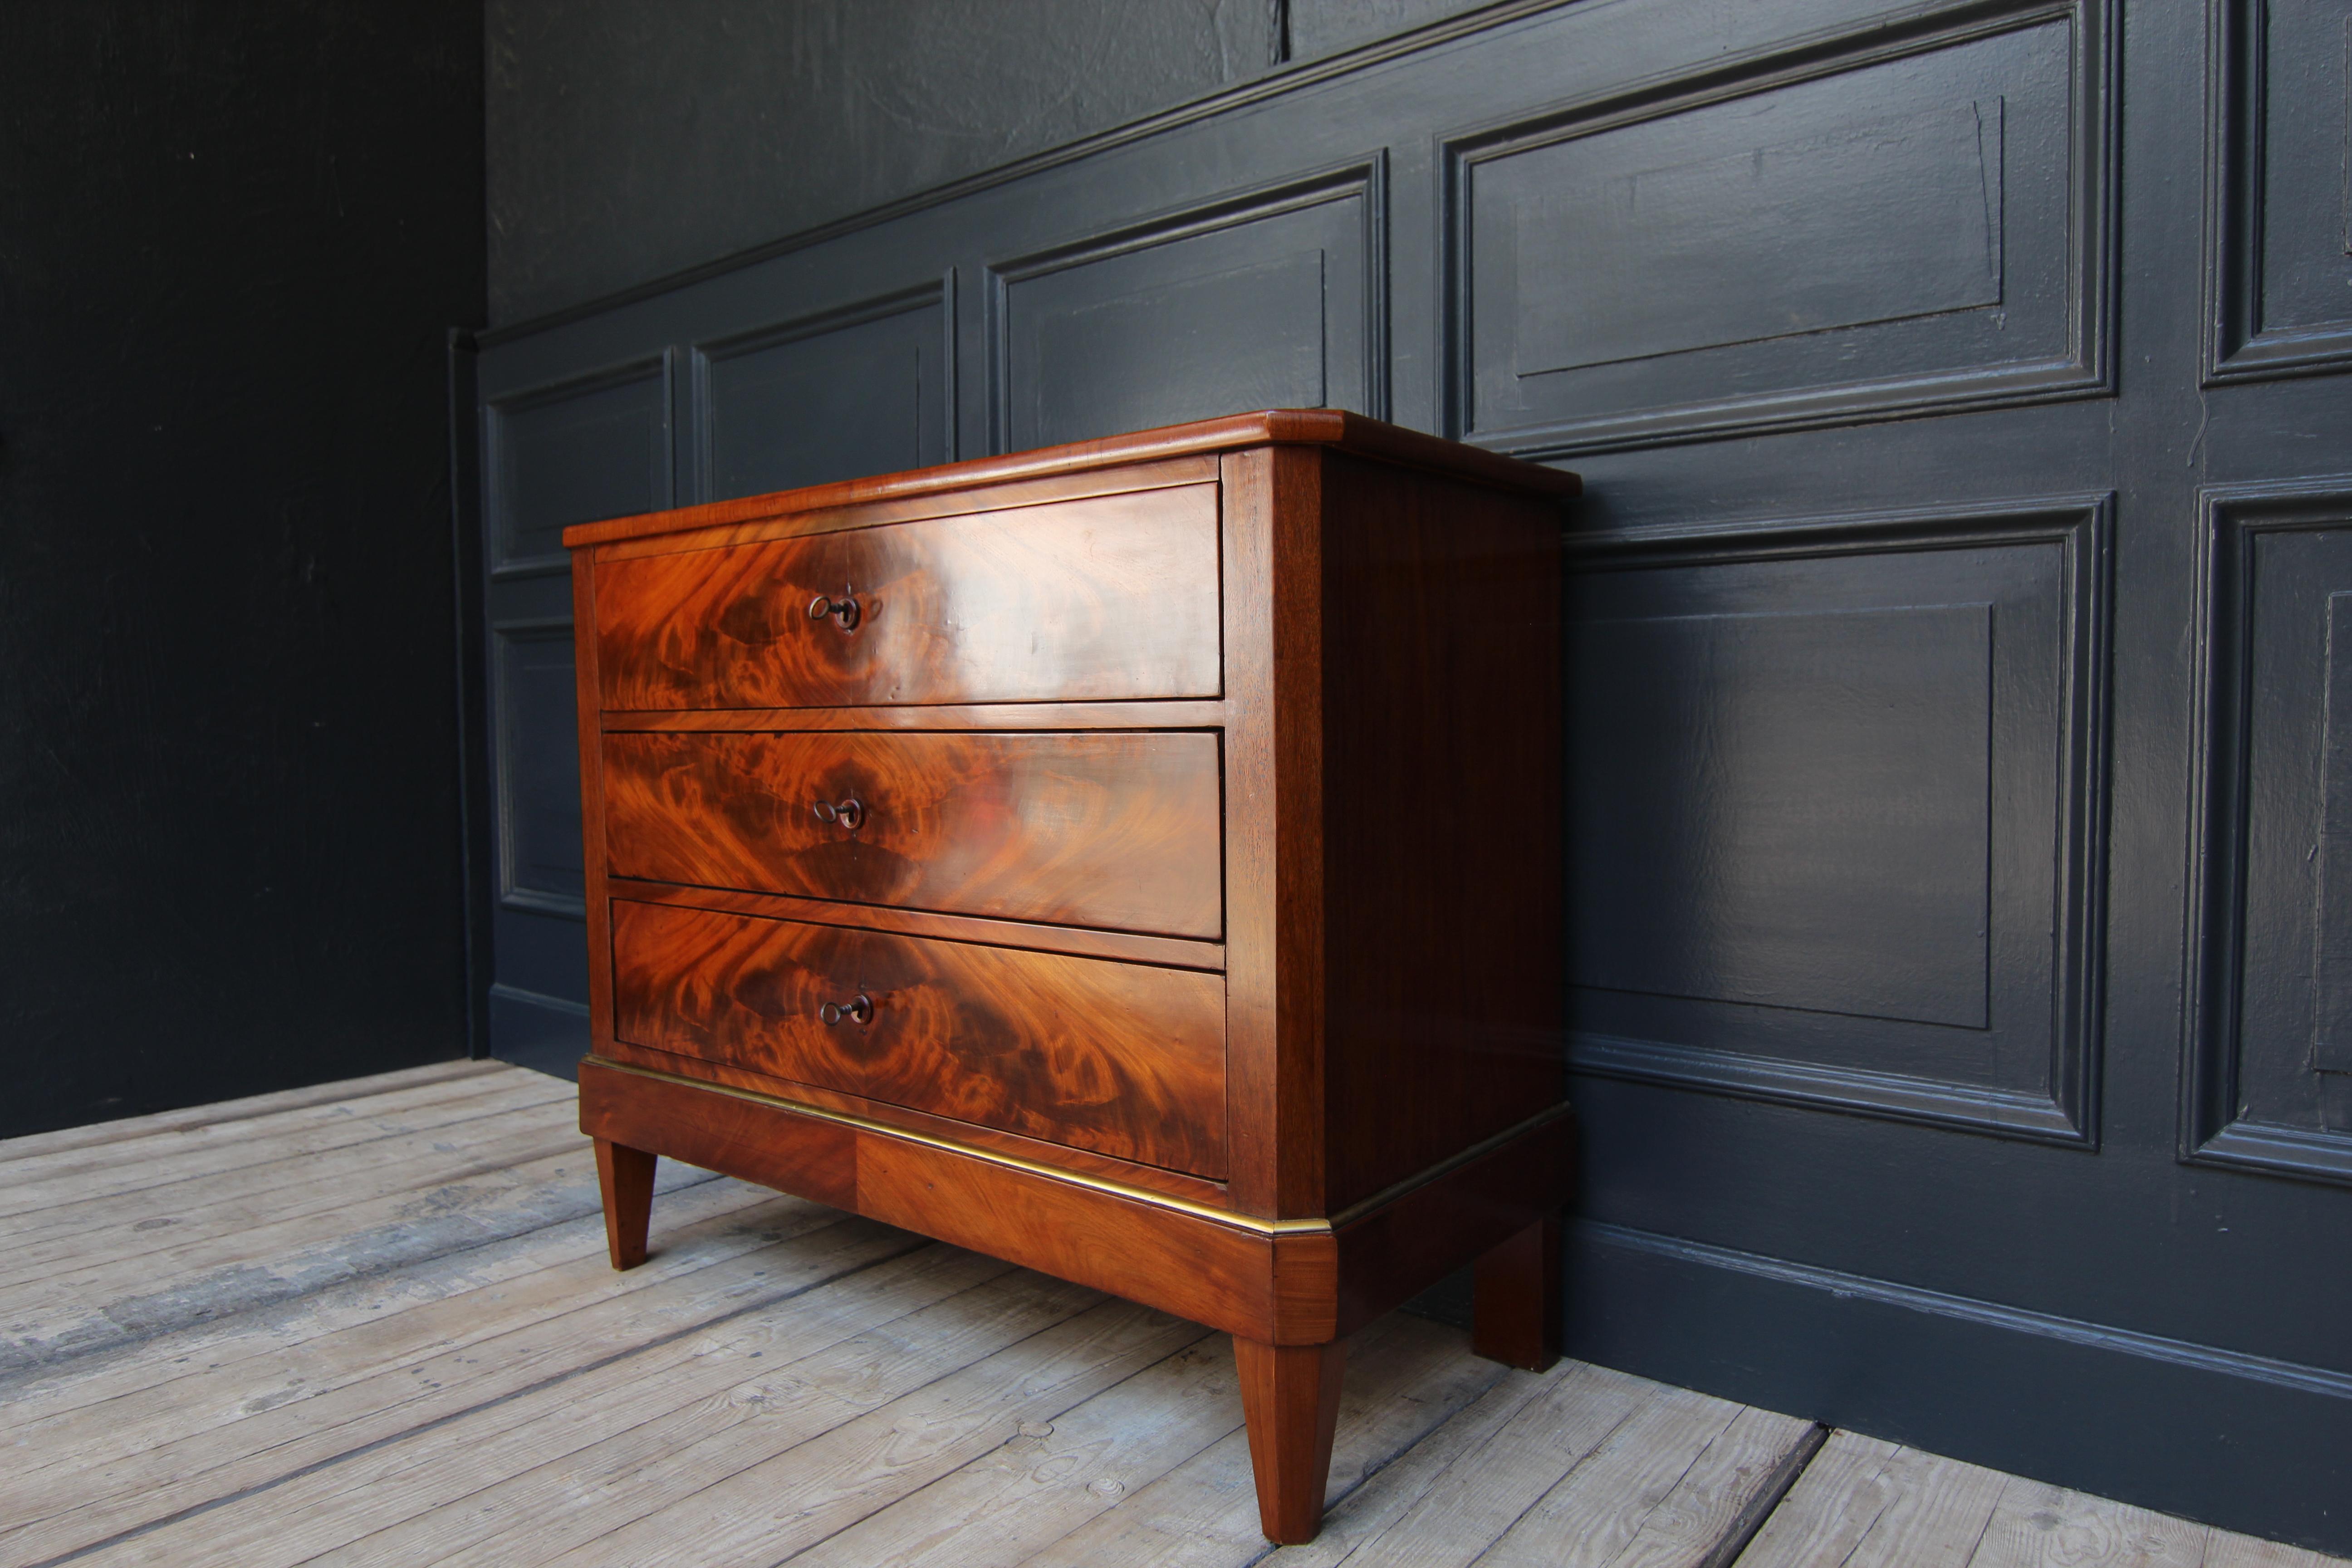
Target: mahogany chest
1137	861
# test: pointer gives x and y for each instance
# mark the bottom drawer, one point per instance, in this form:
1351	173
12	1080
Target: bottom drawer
1120	1059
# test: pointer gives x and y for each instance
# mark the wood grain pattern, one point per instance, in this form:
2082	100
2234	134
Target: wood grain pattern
1055	1476
300	1390
105	1302
2037	1525
1521	1441
1274	837
586	685
503	1405
1113	597
804	1155
229	1119
1080	942
625	1179
1443	1006
1119	1058
1290	1397
1867	1503
1399	1246
1178	1184
1321	427
525	1467
1671	1485
1402	1391
788	515
271	1147
1298	703
1208	1271
1517	1298
771	1510
1177	713
1113	830
61	1233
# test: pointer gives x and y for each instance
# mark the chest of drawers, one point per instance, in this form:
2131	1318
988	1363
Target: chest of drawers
1137	860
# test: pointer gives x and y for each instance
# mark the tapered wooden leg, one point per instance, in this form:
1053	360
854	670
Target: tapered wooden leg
1290	1397
625	1176
1515	1300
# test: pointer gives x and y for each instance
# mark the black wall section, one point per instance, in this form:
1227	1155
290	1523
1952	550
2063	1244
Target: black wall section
232	240
1960	827
628	140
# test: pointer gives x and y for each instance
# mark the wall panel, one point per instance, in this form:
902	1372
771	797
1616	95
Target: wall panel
537	769
1272	299
2279	230
2268	1079
863	389
1832	830
1862	230
587	442
596	445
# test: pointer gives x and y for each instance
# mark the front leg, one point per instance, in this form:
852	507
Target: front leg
625	1177
1290	1398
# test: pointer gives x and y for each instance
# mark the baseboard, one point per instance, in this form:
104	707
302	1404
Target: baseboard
545	1034
2250	1444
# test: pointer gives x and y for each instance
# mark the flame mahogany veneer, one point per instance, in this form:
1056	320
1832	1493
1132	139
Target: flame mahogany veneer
1137	859
1120	830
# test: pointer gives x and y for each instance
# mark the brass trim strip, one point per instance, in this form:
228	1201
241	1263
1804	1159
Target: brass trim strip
989	1156
1251	1223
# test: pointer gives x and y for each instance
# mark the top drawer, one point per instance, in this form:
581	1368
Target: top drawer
1107	598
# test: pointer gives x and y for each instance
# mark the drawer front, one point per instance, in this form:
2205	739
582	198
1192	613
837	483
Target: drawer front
1114	830
1120	1059
1101	599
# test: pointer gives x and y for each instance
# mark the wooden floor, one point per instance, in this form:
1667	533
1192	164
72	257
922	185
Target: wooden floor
372	1322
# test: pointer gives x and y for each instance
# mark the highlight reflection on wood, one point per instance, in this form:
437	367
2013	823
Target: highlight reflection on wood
1121	1059
1109	597
1119	830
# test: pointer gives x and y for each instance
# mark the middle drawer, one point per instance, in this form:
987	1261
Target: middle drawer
1115	829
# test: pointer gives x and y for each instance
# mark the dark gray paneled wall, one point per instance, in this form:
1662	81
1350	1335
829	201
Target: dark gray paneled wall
628	140
232	237
1960	823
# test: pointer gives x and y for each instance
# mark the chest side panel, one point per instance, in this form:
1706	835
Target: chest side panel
1441	845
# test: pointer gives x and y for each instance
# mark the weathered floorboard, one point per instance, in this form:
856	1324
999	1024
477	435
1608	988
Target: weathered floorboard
523	1464
1490	1486
78	1186
382	1329
1050	1479
275	1442
2039	1526
213	1149
310	1355
79	1311
1203	1514
2229	1551
797	1498
1050	1476
352	1322
137	1226
1864	1503
330	1096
